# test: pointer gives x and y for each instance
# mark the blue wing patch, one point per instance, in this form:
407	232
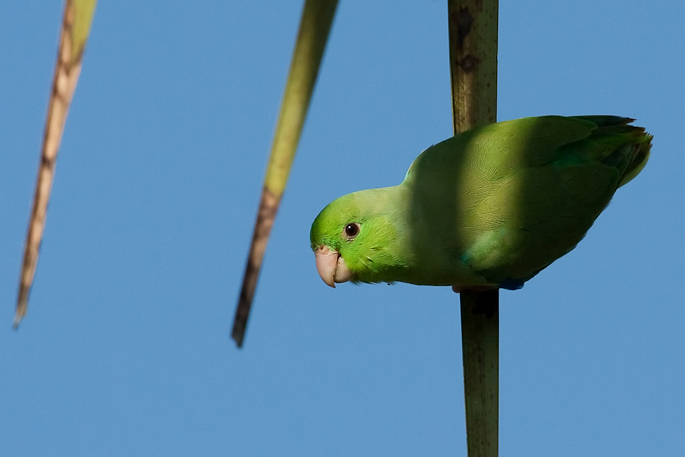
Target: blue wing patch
512	284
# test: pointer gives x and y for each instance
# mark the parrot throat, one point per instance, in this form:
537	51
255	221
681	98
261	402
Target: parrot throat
382	252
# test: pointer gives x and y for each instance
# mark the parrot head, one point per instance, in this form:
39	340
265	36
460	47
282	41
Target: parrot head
355	238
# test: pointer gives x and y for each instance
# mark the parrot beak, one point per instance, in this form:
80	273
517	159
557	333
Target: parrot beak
331	266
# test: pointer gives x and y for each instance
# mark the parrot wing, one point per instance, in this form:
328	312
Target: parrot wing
508	199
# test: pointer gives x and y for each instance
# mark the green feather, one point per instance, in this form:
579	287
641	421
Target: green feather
489	207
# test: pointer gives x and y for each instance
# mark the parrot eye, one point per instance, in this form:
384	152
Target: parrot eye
351	231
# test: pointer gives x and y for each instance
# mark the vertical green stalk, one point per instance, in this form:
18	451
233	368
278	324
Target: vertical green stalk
473	62
480	351
315	25
473	66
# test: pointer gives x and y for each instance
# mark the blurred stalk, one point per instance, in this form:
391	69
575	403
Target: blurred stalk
315	25
473	66
78	15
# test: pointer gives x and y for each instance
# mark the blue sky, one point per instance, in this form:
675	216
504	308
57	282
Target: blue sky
125	349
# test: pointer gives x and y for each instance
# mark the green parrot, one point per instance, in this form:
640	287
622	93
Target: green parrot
488	208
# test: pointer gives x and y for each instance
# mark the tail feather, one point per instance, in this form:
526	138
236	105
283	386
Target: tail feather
609	122
639	160
633	148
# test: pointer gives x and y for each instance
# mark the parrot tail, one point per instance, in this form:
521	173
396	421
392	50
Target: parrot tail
632	143
640	158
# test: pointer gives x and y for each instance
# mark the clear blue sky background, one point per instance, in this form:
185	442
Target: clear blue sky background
126	350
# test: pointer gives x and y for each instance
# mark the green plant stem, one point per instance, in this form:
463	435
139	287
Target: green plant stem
473	66
480	351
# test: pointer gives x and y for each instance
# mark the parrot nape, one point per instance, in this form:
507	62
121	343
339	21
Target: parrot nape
488	208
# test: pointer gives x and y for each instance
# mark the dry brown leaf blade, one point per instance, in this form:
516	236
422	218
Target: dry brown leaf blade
76	22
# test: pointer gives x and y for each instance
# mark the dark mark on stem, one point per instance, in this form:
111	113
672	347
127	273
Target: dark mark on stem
464	21
486	303
469	63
